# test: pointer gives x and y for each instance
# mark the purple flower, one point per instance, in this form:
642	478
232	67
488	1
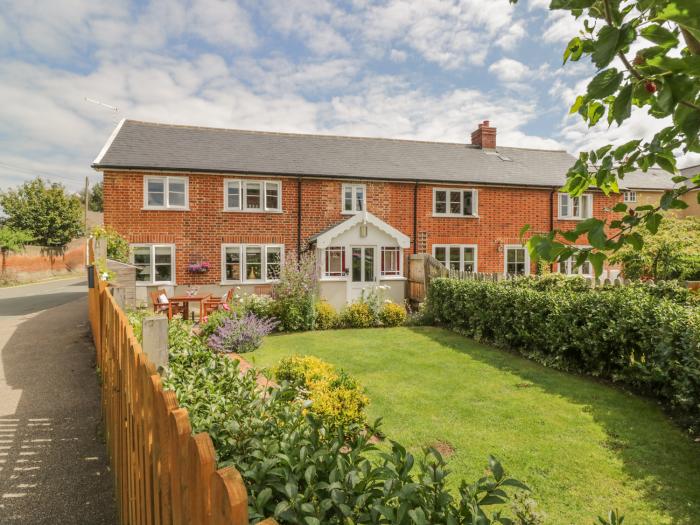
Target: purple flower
241	334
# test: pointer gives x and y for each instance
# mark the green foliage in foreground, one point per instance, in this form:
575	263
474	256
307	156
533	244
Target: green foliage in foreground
623	334
673	253
12	240
298	472
582	446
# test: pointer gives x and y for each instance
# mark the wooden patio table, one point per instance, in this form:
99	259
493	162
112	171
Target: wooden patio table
187	299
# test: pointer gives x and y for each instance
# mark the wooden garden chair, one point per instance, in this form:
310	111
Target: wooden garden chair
170	308
214	303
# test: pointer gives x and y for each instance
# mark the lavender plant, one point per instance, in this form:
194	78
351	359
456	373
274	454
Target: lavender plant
241	334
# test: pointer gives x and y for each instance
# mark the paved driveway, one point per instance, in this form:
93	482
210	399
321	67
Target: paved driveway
53	468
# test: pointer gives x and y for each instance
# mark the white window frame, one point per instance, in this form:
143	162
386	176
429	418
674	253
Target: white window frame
242	247
461	254
629	196
513	247
334	277
153	247
166	192
566	200
354	188
571	262
475	202
389	276
242	193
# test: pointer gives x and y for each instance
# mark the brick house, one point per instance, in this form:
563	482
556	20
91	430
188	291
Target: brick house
246	201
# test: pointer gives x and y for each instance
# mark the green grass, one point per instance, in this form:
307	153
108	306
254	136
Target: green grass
581	446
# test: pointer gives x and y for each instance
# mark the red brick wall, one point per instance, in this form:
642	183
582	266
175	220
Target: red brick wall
199	233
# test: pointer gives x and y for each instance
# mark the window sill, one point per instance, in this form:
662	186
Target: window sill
161	283
334	279
345	212
242	283
230	210
163	208
454	216
393	278
573	218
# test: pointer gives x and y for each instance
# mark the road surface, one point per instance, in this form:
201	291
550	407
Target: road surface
53	467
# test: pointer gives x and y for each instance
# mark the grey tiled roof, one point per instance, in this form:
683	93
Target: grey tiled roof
151	146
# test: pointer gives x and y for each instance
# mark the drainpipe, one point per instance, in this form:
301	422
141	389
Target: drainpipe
298	219
551	218
415	218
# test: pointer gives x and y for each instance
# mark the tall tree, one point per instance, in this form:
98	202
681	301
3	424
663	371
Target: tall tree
661	77
51	216
12	240
95	199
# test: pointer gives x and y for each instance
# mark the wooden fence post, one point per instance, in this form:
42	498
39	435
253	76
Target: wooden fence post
229	498
155	340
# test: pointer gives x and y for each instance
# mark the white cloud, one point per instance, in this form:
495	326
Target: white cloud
509	70
561	27
396	55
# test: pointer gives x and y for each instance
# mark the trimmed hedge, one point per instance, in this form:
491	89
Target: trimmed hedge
629	335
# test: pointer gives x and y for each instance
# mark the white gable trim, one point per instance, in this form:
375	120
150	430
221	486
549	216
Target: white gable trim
326	238
108	144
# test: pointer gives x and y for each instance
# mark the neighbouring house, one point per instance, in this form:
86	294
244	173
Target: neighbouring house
243	202
647	190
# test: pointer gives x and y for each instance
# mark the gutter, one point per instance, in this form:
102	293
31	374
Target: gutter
298	219
415	219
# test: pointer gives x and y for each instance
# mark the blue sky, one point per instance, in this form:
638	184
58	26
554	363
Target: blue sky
428	69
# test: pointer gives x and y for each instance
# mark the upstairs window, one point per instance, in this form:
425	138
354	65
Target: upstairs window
629	196
353	198
391	261
575	207
334	262
454	203
246	195
155	263
458	257
166	193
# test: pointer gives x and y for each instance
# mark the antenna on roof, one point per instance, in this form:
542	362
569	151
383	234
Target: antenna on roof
93	101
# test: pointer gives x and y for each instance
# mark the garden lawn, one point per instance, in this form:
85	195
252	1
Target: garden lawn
581	446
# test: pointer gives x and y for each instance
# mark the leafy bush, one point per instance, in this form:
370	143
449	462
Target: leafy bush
300	472
117	246
295	295
260	305
240	334
335	398
326	316
392	314
213	321
358	315
626	334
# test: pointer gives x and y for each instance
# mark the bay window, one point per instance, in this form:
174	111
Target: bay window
248	195
165	193
243	263
155	263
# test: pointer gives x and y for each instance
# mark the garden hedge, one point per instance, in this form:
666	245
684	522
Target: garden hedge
630	335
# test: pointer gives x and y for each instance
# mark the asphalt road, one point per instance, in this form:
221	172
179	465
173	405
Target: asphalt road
53	467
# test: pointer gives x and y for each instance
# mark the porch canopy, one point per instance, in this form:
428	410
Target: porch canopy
362	228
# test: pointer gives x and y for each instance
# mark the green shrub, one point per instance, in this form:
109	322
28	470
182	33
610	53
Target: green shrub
392	314
117	246
625	334
358	315
295	295
213	321
326	316
261	306
299	471
335	398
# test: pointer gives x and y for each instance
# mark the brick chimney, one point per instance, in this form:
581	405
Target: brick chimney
485	136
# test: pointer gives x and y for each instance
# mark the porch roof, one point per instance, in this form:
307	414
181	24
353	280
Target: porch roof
324	238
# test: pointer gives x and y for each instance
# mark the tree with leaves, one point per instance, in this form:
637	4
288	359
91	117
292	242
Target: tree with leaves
12	240
95	199
662	78
672	253
46	212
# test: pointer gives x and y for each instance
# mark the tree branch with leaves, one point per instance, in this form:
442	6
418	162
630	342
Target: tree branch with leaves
663	78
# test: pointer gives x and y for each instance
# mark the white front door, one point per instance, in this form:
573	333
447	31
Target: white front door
363	271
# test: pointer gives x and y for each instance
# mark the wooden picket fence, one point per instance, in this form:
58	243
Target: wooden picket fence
163	474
